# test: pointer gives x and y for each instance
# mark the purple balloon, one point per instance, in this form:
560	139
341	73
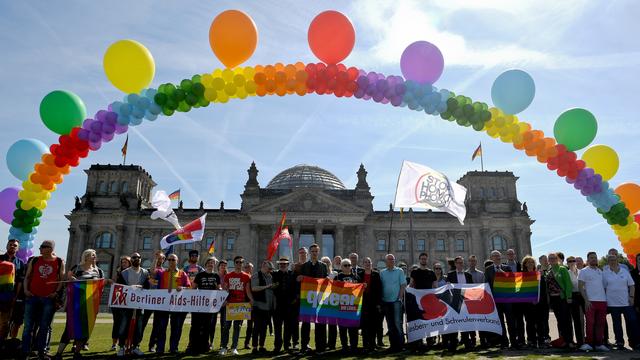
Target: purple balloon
121	129
95	137
100	115
111	117
107	137
83	134
87	124
108	129
8	198
422	62
96	127
24	254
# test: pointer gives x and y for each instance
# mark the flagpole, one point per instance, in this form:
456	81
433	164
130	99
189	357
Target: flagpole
481	158
390	227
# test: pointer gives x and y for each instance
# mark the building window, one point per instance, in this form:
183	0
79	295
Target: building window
501	193
382	245
493	193
421	245
102	187
381	264
306	240
208	240
327	245
498	243
147	243
440	245
146	263
231	240
459	244
125	187
188	246
105	241
402	245
113	187
482	194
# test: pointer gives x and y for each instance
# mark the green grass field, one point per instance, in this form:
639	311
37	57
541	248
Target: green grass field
100	344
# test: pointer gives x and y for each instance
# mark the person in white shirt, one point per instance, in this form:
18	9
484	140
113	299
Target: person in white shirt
620	290
591	287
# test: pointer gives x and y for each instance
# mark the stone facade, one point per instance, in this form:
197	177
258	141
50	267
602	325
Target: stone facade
113	216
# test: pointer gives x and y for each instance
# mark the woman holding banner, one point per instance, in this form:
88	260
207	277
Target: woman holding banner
348	335
534	327
86	271
263	305
371	316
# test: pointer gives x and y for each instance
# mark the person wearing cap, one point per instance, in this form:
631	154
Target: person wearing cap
193	268
283	317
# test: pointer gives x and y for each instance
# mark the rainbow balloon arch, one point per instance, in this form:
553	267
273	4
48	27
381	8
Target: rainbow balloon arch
233	38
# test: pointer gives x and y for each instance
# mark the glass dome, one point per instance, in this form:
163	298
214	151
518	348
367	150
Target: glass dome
306	176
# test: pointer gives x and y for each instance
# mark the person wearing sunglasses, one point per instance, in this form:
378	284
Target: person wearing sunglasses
284	318
138	277
42	284
262	286
171	279
348	335
316	269
238	284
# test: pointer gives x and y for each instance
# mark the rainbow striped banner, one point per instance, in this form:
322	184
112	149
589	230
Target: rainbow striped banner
7	278
516	287
83	303
325	301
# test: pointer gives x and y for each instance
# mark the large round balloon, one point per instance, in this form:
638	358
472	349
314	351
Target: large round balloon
129	66
630	196
422	62
603	160
513	91
575	129
23	155
233	37
331	36
8	198
61	111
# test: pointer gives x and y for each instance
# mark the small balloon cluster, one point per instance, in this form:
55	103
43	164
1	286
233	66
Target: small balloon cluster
334	79
101	129
466	113
131	111
604	199
587	181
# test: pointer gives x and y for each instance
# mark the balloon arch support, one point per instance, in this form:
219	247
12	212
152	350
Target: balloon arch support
233	38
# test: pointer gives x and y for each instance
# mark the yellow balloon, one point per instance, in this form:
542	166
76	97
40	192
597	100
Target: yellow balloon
603	160
129	66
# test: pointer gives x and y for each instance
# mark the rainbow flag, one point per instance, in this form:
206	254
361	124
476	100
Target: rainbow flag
191	232
325	301
7	278
175	195
83	303
516	287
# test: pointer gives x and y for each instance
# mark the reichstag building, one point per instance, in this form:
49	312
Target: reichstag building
113	217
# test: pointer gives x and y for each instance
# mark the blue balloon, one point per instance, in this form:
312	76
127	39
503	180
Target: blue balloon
513	91
23	155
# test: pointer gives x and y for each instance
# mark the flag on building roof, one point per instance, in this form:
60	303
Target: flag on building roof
192	232
125	146
175	195
83	304
212	247
422	187
477	152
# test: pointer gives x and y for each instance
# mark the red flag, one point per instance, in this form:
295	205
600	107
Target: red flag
275	241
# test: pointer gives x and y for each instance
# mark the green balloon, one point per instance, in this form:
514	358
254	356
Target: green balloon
575	128
61	111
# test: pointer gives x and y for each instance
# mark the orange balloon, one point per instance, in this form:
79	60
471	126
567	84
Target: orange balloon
331	36
233	37
630	195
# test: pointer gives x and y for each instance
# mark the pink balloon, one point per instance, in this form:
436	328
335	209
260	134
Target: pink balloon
422	62
8	198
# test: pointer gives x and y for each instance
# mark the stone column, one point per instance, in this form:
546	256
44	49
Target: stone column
450	244
360	238
223	247
339	240
318	237
78	248
295	242
255	242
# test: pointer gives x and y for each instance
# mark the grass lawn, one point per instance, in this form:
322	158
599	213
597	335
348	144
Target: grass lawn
100	344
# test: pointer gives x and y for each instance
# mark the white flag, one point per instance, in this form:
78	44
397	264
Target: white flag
422	187
163	211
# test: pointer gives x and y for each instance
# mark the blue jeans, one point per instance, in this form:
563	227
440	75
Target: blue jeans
38	310
629	318
164	318
224	341
393	313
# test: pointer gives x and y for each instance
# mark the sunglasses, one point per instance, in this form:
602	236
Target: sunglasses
346	265
135	257
172	260
437	268
571	261
45	247
239	262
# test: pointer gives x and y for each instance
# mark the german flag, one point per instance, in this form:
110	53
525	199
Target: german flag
175	195
477	152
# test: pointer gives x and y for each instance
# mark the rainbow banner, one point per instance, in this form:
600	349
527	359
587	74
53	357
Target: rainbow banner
7	276
516	287
83	303
325	301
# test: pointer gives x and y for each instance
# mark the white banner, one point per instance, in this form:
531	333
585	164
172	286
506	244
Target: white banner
422	187
449	309
188	300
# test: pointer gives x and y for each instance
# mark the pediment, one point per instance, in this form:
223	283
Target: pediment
307	200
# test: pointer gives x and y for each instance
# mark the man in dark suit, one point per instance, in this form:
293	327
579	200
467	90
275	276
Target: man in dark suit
517	309
504	310
355	269
458	276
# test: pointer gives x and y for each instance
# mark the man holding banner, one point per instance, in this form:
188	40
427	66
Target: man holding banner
313	268
458	276
130	327
171	279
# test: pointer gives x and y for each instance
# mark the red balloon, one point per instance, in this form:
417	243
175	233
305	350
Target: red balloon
331	36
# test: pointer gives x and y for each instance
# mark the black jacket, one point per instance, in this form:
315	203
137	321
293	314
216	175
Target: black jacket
286	290
490	273
373	296
452	277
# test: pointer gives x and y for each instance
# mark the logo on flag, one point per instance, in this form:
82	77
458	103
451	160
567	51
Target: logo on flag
191	232
422	187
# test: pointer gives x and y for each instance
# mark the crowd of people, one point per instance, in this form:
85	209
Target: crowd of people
580	294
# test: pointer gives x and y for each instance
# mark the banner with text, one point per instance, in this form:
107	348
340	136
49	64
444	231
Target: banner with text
188	300
449	309
325	301
238	311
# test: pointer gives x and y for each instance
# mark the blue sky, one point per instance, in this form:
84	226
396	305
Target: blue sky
580	54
